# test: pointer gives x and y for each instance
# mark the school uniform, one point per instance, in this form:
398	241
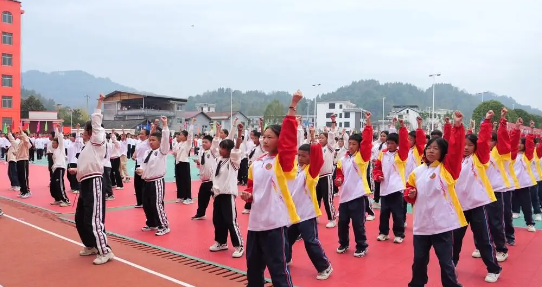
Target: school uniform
49	154
153	171
32	150
351	170
40	145
255	153
90	211
272	211
130	146
12	166
526	179
207	167
124	160
539	168
537	173
391	166
324	188
56	186
339	153
106	161
474	192
432	181
73	150
139	184
183	178
21	154
242	175
116	178
375	185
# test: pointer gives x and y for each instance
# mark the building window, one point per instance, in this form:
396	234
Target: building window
346	124
347	115
7	17
328	115
328	124
7	38
7	81
180	120
7	102
340	116
340	125
6	122
331	106
7	59
340	106
180	107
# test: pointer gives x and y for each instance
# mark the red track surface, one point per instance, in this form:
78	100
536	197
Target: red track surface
387	264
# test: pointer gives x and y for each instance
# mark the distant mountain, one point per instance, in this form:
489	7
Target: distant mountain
69	87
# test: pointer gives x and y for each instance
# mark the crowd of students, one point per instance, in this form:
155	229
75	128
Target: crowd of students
453	178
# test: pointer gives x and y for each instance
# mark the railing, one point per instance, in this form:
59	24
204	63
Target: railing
146	112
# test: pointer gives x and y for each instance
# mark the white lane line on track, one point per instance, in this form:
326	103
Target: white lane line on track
173	280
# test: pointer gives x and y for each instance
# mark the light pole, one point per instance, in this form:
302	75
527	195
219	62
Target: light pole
71	120
482	93
383	113
231	108
315	112
88	111
434	76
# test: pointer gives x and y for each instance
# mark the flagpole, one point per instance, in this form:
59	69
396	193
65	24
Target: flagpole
231	108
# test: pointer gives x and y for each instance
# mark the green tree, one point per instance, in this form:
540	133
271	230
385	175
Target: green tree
73	116
31	104
274	113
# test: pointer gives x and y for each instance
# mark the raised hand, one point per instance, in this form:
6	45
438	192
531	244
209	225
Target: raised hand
458	118
419	121
402	123
447	120
164	121
531	124
519	123
504	111
101	98
193	120
412	192
490	114
240	127
297	96
333	117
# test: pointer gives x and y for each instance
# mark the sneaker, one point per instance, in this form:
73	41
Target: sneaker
515	215
102	259
511	242
382	237
246	211
360	253
17	188
109	198
64	204
492	277
538	217
11	188
342	249
370	217
501	256
238	253
476	254
27	195
531	228
162	231
119	188
188	201
138	206
299	238
147	228
87	251
198	217
75	192
325	274
405	225
218	247
331	224
1	212
398	240
55	203
179	200
376	205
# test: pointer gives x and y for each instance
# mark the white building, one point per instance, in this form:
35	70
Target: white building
202	124
348	115
407	113
224	118
205	107
440	115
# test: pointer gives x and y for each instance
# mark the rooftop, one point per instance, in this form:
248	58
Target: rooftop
191	114
226	115
132	95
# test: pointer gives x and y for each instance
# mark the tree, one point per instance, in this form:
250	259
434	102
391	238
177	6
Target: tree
75	116
31	104
480	112
274	113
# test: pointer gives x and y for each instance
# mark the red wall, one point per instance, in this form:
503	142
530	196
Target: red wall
15	92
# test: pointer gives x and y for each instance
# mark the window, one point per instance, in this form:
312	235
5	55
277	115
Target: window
340	125
328	124
346	124
7	38
180	107
180	120
331	106
7	17
7	102
340	106
7	81
328	115
340	116
7	122
347	115
7	59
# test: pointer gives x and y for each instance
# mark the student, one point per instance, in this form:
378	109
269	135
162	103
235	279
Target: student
417	141
225	192
255	153
324	188
537	173
340	151
355	187
106	161
32	150
49	152
90	212
538	158
181	151
124	151
40	145
242	175
474	192
425	188
21	154
526	179
390	172
206	163
13	176
73	150
303	188
378	146
152	171
272	208
140	150
56	186
515	136
116	178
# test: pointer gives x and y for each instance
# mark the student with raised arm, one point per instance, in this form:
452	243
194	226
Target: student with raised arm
138	155
351	175
56	186
90	212
181	151
255	153
21	153
303	189
324	188
537	173
116	178
538	158
474	192
225	191
124	152
152	171
430	188
206	163
272	208
390	172
73	150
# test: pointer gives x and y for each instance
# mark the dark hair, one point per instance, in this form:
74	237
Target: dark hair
341	139
442	145
473	139
494	137
385	132
305	147
185	133
158	135
427	137
275	129
227	144
118	136
256	133
412	134
108	136
52	134
208	137
394	137
226	132
522	141
146	132
324	134
73	135
355	137
55	140
436	133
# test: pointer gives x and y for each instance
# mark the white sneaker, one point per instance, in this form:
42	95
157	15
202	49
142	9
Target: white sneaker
55	203
515	215
188	201
178	200
538	217
119	188
87	251
12	188
76	192
325	274
492	277
476	254
64	204
109	198
406	225
102	259
376	205
17	188
382	237
398	240
218	247
331	224
24	196
238	253
246	211
531	228
147	228
1	212
370	217
162	231
501	256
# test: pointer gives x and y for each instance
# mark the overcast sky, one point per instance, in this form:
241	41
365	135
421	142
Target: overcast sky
289	44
